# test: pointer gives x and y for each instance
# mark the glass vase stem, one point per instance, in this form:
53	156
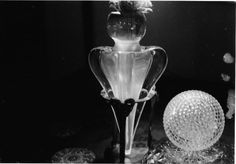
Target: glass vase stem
129	130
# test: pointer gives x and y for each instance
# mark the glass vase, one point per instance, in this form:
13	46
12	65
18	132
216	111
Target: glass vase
127	71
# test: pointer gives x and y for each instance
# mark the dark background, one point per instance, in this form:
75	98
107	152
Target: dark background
46	83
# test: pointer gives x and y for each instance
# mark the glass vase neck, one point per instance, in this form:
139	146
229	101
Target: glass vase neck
126	45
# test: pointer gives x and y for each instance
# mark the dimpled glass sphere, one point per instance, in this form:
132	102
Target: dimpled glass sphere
193	120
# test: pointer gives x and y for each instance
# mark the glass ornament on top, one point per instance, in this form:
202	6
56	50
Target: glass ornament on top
127	71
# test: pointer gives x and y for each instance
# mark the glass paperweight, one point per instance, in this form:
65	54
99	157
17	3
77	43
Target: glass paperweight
193	122
127	71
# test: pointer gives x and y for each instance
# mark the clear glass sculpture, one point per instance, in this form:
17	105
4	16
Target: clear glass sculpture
128	70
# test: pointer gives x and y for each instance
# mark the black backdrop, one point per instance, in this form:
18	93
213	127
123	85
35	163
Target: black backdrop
44	72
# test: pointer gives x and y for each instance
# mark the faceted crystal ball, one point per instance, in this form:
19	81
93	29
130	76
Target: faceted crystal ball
193	120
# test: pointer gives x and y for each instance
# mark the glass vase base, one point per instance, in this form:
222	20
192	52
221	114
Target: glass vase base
136	155
164	152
